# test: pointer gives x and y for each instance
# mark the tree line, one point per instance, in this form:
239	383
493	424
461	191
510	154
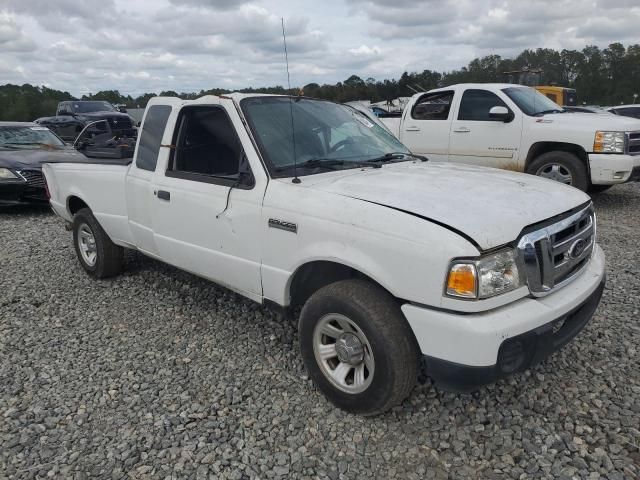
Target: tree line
601	76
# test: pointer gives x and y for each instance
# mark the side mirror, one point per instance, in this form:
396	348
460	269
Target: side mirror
500	114
122	109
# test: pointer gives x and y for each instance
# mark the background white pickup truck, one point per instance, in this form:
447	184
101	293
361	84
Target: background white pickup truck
517	128
396	262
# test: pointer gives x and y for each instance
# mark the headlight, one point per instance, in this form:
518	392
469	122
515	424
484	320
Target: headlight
608	142
6	174
484	277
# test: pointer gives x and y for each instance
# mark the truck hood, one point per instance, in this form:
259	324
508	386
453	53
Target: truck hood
488	206
591	121
33	158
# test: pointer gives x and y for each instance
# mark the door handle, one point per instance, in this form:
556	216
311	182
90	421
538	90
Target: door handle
163	195
412	129
462	130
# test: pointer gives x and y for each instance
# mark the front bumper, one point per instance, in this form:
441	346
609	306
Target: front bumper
465	351
611	169
19	193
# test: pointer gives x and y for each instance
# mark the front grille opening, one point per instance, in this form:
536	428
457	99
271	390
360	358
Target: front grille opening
566	233
573	270
34	178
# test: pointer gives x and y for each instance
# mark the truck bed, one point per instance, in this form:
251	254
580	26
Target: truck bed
100	184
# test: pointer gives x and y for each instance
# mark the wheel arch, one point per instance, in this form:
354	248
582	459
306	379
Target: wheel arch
312	275
540	148
75	204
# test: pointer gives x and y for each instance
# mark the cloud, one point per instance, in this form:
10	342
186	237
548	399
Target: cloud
12	39
189	45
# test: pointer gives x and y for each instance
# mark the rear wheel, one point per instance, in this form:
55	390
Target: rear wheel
357	347
98	255
563	167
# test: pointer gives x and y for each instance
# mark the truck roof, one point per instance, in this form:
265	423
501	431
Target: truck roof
489	86
235	96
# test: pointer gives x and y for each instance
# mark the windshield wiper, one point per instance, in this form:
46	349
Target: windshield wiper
544	112
328	163
389	157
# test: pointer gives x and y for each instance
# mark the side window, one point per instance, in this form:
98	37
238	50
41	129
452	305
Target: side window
207	145
475	105
151	136
433	106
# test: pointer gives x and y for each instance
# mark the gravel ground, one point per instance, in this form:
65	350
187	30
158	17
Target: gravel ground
158	374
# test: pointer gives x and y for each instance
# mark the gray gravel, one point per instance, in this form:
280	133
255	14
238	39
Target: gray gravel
158	374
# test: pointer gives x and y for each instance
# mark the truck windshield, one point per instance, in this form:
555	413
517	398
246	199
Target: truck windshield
87	107
327	135
15	137
531	101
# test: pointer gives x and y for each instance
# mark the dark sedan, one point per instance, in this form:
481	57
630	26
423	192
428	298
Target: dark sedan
23	148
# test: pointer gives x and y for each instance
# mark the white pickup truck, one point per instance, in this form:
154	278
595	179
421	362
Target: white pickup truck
517	128
399	264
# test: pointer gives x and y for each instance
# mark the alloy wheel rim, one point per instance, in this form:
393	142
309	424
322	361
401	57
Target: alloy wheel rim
343	353
557	172
87	244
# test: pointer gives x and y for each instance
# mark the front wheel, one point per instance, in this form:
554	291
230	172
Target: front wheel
357	347
563	167
98	255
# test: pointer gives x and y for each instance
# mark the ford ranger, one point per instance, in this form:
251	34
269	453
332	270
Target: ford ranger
517	128
399	265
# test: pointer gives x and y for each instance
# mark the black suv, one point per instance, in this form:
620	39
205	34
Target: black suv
72	116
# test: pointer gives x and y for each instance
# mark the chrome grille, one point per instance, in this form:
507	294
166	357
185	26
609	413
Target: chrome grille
632	143
554	255
33	178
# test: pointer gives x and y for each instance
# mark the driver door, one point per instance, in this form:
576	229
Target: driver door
478	139
208	204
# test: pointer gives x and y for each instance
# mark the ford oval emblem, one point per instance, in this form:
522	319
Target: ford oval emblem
577	248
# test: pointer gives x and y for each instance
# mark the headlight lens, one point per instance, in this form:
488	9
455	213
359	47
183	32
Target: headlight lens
485	277
6	174
608	142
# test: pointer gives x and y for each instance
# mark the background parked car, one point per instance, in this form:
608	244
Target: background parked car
626	110
23	148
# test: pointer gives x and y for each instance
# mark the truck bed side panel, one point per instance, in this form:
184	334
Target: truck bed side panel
100	186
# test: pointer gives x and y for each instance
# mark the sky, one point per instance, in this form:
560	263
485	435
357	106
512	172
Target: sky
137	46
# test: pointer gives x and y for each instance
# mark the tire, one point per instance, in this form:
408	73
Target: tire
561	166
599	188
388	368
98	255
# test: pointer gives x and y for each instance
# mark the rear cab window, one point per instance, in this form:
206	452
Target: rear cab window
433	106
153	128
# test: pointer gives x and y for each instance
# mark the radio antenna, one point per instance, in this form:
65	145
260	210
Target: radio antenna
293	130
